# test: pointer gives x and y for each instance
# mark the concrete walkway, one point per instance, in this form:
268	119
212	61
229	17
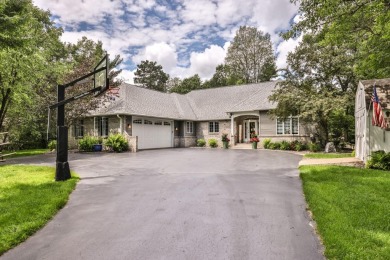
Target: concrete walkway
347	160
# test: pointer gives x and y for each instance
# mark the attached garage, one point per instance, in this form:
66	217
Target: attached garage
152	132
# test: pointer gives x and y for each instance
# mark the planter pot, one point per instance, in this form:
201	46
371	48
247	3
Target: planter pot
254	145
97	147
225	145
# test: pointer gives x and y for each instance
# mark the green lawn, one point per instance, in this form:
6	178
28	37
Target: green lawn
327	155
29	197
27	152
352	209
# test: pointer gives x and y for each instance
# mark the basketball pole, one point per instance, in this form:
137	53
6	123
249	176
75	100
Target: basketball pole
62	165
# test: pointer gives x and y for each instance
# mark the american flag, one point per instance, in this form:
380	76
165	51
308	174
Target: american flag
377	113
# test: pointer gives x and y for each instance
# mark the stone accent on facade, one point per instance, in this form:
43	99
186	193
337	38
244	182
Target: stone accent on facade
202	131
184	141
133	142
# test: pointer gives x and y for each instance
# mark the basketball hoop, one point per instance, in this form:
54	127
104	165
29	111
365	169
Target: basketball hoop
100	86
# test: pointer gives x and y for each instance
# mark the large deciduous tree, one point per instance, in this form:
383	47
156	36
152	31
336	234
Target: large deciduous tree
188	84
250	55
223	76
363	25
319	85
343	41
151	75
27	40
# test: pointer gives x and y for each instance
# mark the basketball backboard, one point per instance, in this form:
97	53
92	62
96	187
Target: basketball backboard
101	75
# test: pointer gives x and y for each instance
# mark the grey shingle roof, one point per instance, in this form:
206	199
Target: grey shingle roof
203	104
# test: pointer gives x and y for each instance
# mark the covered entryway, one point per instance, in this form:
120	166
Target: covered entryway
152	132
243	125
251	126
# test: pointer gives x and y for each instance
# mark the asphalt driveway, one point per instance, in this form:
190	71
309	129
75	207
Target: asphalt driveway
179	204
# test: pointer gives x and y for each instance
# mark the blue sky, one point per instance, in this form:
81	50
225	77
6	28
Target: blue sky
184	36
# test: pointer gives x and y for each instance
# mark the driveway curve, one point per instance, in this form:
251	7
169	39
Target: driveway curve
178	204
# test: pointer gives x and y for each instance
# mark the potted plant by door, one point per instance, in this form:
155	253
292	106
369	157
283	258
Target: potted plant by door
225	141
254	140
98	146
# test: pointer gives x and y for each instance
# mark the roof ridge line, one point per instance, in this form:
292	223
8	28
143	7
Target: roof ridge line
190	105
178	105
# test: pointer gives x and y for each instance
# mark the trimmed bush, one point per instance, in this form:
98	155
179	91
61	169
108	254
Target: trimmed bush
213	143
52	145
87	142
200	143
284	145
353	154
266	143
300	146
274	146
117	143
379	160
314	147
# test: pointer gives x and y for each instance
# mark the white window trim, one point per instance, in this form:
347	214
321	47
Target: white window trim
78	127
291	126
213	122
189	127
97	121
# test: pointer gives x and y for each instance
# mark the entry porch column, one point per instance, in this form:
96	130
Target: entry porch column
232	129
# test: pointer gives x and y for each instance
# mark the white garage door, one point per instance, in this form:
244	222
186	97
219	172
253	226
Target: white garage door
153	133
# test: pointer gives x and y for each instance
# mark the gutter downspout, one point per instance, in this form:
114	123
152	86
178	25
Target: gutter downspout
120	124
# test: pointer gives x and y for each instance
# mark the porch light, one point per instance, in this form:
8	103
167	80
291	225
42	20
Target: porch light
129	126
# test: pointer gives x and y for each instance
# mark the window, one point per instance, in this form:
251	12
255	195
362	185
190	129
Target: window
101	123
158	123
148	122
137	121
167	123
213	127
79	128
189	127
287	126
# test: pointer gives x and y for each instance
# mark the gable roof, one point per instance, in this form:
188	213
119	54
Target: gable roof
382	90
202	104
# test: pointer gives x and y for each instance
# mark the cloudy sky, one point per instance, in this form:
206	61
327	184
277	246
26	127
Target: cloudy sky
184	36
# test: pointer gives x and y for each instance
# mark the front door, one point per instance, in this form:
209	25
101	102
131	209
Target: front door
251	126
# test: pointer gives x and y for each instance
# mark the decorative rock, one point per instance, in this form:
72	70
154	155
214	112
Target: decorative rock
330	148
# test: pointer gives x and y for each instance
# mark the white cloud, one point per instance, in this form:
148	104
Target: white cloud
204	63
283	49
72	12
162	32
127	76
163	53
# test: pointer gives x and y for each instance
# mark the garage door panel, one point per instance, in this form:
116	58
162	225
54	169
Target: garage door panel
153	133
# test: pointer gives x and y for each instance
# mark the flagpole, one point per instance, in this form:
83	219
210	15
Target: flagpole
369	130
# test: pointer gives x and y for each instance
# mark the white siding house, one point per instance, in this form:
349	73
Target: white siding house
371	138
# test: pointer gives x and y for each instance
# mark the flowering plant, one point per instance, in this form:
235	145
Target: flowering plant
254	139
225	138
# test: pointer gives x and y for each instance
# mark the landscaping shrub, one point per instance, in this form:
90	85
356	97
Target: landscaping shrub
52	145
87	142
201	142
300	146
117	143
274	146
213	143
284	145
266	143
379	160
353	154
314	147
